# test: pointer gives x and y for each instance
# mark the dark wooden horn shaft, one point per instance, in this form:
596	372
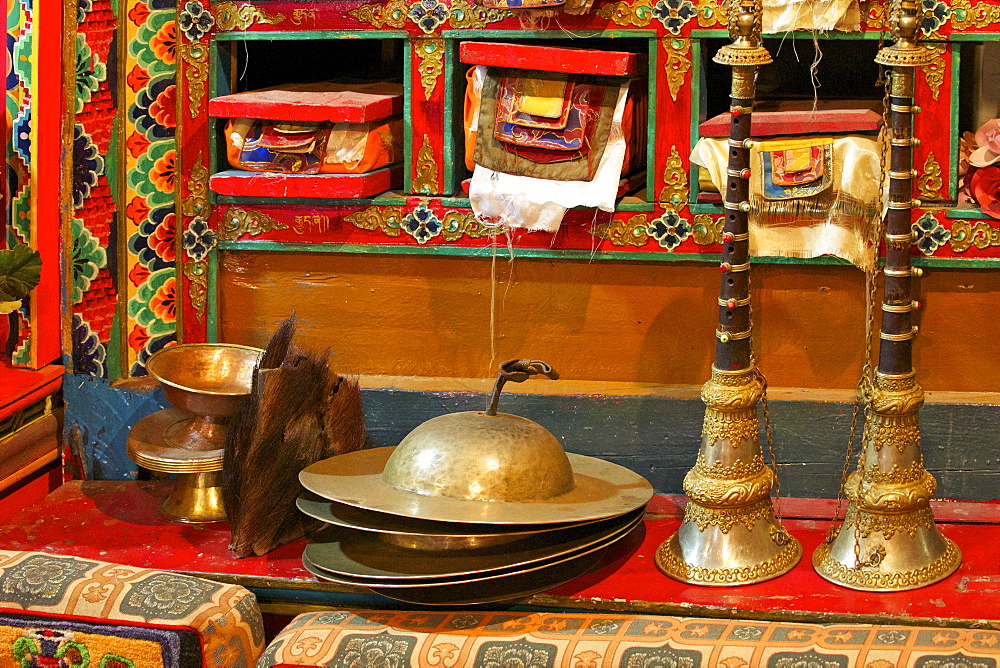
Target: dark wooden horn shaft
734	323
896	345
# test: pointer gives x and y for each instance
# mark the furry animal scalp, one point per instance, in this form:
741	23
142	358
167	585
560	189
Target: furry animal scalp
299	412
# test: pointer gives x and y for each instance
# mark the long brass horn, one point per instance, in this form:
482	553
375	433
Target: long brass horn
730	535
888	540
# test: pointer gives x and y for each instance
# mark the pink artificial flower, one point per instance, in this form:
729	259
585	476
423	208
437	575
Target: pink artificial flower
985	187
988	138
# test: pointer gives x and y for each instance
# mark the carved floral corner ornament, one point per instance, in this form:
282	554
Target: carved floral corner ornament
422	223
678	63
232	16
236	222
198	241
430	55
426	178
428	15
198	238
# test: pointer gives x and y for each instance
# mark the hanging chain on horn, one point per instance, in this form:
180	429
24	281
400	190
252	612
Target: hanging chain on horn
730	535
888	540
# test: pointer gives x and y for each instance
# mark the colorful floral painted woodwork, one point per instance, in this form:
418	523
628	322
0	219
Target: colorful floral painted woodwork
148	160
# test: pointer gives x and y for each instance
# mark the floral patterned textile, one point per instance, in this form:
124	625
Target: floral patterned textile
594	640
50	590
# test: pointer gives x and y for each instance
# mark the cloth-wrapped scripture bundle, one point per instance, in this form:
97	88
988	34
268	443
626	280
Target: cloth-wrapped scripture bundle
324	128
540	142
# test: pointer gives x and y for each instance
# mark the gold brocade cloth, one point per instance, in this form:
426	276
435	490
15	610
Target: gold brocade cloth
811	196
784	15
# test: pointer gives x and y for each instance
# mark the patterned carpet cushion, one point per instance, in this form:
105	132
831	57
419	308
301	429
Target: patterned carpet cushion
500	640
69	612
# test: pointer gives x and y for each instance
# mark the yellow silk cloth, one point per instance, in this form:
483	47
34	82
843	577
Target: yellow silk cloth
784	15
842	220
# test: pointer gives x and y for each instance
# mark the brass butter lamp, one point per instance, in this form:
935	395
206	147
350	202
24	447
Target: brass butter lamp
206	383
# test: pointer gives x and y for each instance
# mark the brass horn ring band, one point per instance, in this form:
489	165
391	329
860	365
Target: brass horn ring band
731	336
898	273
902	175
738	173
899	238
897	308
908	204
743	110
904	108
736	143
740	237
902	142
906	336
738	302
738	267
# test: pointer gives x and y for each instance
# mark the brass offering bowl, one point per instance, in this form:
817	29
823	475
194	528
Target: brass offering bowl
208	380
206	383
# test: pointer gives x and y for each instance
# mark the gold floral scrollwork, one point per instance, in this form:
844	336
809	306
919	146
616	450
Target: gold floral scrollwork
706	230
385	219
195	56
631	232
711	14
669	562
965	15
465	15
623	13
426	179
934	70
236	222
231	16
430	54
456	224
678	62
727	518
392	14
196	202
966	234
674	193
930	182
196	273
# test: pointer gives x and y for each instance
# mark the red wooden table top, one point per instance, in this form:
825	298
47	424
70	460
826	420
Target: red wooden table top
118	522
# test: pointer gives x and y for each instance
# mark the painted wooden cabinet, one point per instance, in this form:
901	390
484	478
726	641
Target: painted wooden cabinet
229	47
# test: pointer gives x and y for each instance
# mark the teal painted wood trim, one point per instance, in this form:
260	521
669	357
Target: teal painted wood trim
212	309
698	103
547	34
851	36
706	208
974	37
636	206
384	199
407	115
956	262
292	35
572	254
450	180
457	202
967	214
654	64
956	73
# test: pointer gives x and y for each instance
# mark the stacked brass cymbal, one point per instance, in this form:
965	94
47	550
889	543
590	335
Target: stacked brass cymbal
470	507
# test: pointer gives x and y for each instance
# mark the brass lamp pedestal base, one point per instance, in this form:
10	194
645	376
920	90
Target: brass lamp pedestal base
729	535
740	556
888	541
197	494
